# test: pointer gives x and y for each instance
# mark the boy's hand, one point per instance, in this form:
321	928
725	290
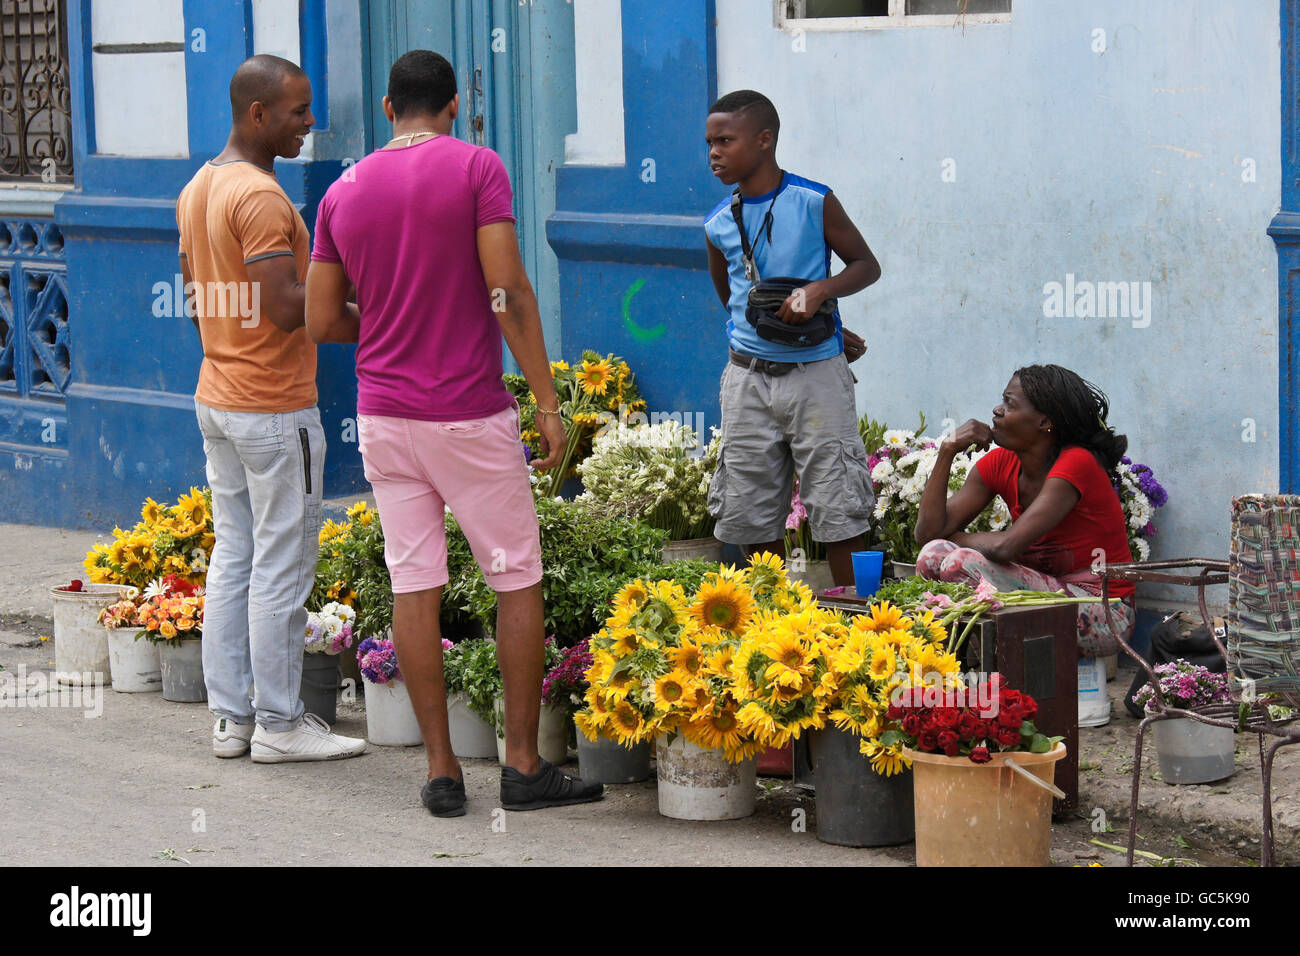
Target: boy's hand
802	304
854	345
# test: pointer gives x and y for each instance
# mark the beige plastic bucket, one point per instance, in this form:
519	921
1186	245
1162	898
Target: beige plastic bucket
970	814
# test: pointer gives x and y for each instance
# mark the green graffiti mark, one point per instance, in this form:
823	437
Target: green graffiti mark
639	333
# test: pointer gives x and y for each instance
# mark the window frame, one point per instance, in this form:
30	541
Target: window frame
897	18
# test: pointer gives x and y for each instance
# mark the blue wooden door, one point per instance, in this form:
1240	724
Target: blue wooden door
515	73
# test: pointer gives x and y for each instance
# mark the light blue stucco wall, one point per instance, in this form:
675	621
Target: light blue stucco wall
1125	165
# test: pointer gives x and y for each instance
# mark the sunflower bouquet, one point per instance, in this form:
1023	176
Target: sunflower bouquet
810	667
664	662
167	540
596	391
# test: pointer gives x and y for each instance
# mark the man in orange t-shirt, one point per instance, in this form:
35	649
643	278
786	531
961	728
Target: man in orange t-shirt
244	257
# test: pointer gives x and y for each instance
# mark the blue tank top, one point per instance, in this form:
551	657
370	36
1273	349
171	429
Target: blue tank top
797	248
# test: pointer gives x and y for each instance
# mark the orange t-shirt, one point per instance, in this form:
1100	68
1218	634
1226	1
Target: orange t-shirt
229	215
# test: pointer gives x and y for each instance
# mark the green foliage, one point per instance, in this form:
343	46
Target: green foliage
354	559
906	592
586	558
471	668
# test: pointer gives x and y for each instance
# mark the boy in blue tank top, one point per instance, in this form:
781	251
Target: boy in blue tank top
787	407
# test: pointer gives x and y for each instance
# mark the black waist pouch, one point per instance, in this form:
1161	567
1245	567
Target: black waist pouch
766	297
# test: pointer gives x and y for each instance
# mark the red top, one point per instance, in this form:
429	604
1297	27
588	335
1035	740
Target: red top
1095	522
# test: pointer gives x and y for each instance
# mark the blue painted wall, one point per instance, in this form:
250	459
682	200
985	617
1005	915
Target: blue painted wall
631	244
130	429
1109	141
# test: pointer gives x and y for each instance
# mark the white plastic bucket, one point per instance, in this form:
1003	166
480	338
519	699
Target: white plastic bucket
134	663
471	735
698	784
390	719
552	734
80	641
1094	702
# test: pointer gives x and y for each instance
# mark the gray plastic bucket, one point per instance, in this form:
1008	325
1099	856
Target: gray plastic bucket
606	761
855	805
320	686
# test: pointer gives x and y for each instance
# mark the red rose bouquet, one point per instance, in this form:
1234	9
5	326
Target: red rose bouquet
974	722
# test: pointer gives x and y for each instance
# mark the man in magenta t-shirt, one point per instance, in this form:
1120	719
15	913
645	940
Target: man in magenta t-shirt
423	229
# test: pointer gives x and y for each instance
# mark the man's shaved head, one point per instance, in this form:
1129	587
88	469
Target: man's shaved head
260	79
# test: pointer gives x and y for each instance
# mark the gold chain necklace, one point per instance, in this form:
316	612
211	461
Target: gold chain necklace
411	136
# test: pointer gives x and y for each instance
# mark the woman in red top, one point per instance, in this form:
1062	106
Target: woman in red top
1052	469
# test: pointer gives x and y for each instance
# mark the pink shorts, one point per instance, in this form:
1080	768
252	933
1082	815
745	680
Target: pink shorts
477	469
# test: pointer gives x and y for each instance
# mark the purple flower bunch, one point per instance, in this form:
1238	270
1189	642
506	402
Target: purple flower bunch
1185	685
565	684
1146	480
378	660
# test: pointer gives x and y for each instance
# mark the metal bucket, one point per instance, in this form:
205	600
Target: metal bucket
698	784
320	685
607	761
181	663
1192	752
855	805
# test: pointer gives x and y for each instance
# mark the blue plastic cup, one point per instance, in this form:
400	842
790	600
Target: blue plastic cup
867	566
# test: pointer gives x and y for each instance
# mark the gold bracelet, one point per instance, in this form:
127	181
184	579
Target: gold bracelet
547	411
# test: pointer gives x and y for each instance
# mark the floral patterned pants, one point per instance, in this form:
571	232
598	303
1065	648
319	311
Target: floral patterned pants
944	561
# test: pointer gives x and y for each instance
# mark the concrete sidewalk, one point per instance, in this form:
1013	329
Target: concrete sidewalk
141	760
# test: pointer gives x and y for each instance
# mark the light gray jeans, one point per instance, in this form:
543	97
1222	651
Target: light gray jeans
265	471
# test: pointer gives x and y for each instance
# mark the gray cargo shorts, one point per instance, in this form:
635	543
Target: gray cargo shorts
775	427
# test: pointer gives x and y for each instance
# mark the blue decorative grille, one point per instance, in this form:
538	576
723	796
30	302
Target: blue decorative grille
35	361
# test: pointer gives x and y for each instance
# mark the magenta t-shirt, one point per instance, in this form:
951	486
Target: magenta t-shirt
402	223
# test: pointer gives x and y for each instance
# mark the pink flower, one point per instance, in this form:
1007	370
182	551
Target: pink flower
936	600
985	592
798	513
447	645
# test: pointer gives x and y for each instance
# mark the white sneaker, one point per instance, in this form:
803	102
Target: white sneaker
230	739
310	740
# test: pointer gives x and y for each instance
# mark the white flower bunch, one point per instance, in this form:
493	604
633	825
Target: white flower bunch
659	473
329	630
900	469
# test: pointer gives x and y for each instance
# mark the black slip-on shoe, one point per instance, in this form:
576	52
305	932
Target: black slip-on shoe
548	787
444	797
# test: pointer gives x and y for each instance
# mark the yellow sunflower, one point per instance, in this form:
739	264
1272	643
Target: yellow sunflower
671	691
193	507
883	663
716	730
883	617
626	723
687	657
152	512
634	593
724	605
594	376
885	761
